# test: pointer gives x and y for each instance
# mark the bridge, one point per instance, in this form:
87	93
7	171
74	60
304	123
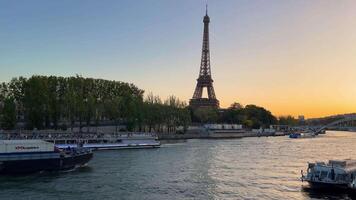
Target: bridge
345	123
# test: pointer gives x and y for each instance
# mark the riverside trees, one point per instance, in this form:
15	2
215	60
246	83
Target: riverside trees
53	102
44	102
251	116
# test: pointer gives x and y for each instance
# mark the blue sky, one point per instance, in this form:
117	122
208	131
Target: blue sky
122	40
259	49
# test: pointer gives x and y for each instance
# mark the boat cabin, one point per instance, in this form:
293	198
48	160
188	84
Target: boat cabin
338	172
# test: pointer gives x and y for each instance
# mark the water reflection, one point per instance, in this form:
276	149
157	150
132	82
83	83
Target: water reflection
248	168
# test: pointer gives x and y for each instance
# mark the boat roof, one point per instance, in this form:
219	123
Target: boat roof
343	163
347	165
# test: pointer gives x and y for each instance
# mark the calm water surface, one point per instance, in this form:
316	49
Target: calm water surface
249	168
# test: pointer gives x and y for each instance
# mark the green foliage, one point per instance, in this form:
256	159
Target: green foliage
206	115
287	120
259	116
53	102
236	106
250	116
165	116
8	117
35	101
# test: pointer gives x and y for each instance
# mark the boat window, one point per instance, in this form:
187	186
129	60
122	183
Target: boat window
317	173
341	177
331	174
323	174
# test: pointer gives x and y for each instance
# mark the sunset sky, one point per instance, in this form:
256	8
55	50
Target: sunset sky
293	57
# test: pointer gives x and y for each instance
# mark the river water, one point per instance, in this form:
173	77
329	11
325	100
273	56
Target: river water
248	168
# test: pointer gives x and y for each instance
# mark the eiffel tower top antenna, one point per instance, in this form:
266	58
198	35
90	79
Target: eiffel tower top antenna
206	8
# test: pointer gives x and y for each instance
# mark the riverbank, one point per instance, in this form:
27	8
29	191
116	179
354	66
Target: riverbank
213	135
193	133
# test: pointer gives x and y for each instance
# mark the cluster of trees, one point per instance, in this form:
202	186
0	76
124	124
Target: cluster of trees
165	116
65	102
288	120
59	102
250	116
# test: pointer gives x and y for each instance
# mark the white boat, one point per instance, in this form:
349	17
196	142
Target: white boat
334	174
111	143
98	141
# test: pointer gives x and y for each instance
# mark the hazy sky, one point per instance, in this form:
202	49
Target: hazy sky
290	56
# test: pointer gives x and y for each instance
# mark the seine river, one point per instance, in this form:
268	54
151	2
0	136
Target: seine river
248	168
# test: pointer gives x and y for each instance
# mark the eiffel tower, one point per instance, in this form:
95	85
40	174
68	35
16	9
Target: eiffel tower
204	80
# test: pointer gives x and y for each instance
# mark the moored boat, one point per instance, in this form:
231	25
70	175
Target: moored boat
109	143
93	141
28	156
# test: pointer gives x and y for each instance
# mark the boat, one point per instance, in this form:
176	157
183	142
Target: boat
109	143
336	174
295	135
29	156
302	135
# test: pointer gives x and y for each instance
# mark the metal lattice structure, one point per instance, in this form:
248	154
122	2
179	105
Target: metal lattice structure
204	80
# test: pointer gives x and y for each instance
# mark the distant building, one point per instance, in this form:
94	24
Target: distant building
301	118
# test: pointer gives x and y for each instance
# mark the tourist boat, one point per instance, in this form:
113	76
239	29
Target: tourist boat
334	174
302	135
109	143
28	156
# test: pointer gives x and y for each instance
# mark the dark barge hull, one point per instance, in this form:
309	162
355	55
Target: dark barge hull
75	161
48	164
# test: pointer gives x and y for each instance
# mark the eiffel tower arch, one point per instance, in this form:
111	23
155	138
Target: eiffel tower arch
204	80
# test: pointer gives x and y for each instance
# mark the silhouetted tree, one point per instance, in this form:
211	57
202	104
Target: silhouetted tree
8	114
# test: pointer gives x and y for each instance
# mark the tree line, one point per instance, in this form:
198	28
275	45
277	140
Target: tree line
51	102
44	102
250	116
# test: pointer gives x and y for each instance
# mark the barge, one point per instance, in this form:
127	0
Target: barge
29	156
